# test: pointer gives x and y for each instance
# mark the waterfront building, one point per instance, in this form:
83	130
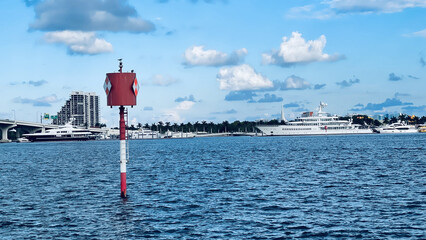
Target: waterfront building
82	107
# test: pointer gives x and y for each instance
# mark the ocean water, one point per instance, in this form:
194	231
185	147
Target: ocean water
315	187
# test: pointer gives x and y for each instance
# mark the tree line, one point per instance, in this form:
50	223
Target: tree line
203	126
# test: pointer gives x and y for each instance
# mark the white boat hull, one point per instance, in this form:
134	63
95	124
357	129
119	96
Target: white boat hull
287	130
398	128
398	131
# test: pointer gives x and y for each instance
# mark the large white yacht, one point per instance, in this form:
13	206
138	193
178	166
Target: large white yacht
399	127
309	123
65	133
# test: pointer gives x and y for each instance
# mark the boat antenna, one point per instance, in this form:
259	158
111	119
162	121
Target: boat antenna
282	113
120	65
321	106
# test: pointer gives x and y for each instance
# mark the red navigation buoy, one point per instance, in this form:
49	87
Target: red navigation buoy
121	90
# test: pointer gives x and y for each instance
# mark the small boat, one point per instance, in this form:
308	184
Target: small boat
144	133
399	127
22	140
65	133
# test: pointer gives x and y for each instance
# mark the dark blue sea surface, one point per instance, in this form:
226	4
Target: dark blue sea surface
316	187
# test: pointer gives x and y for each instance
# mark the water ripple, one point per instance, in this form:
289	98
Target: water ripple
324	187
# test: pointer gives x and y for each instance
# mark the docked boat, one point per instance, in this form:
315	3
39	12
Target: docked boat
321	123
65	133
144	133
399	127
170	134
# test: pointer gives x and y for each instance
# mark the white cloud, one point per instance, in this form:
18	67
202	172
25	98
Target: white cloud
295	50
242	77
369	6
197	56
79	42
93	15
185	105
174	115
334	8
134	121
421	33
294	82
309	11
161	80
170	116
38	102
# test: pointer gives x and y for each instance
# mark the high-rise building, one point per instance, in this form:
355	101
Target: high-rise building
82	107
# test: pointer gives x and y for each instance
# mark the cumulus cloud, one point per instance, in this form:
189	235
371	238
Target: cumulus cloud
270	98
79	42
242	77
174	114
345	84
240	96
148	108
393	77
162	80
83	15
170	116
197	56
38	102
389	102
185	105
292	83
296	50
188	98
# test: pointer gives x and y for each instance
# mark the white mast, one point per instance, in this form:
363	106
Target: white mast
282	113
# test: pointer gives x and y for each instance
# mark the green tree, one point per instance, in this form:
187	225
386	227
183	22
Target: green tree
386	120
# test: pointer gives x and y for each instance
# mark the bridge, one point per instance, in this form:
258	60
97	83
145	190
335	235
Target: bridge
21	127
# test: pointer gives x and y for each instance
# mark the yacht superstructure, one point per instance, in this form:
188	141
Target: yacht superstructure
309	123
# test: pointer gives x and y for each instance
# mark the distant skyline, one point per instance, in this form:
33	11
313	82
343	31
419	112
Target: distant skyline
216	60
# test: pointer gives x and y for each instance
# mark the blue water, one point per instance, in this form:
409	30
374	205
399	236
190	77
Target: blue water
333	187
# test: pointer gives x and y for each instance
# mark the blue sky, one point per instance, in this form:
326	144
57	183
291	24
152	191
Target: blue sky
216	60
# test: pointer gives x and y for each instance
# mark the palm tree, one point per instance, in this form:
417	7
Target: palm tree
386	120
189	126
160	125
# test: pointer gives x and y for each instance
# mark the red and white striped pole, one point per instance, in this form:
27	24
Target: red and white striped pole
123	153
